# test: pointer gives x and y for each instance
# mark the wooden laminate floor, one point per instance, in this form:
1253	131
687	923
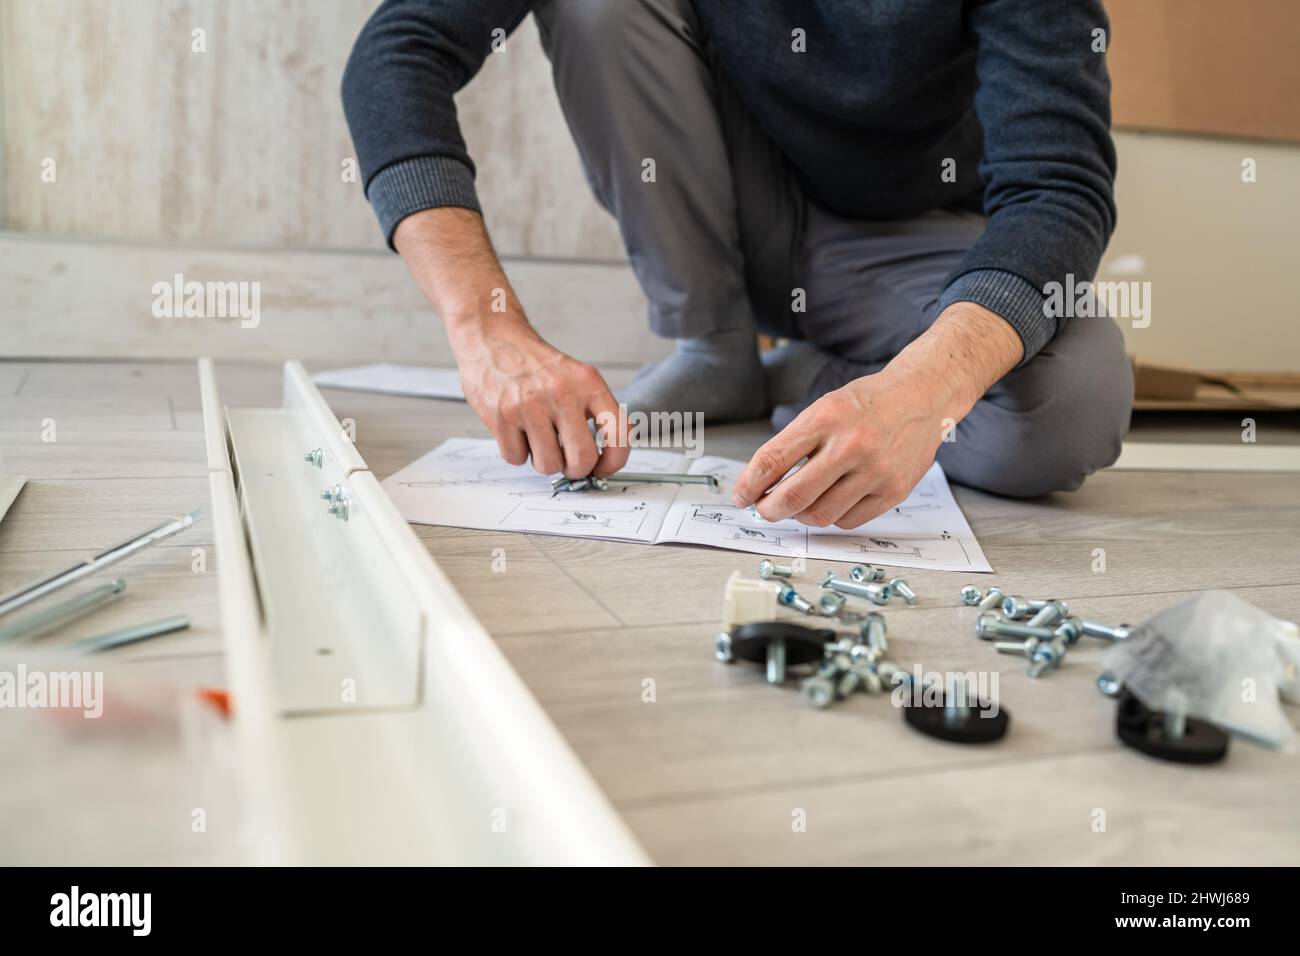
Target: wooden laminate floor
718	767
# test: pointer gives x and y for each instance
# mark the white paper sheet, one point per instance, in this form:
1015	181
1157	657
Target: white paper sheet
463	483
389	379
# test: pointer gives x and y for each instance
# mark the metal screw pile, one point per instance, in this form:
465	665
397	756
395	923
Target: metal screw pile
1040	630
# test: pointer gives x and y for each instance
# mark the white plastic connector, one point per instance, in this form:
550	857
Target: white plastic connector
748	600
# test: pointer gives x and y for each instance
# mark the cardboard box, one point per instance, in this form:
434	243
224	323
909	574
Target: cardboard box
1204	66
1159	387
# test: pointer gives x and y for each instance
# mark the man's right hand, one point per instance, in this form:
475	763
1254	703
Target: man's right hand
534	398
537	400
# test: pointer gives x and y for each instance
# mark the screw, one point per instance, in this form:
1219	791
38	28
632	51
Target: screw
1051	612
1047	657
987	627
1109	684
992	599
875	593
970	595
1023	648
792	598
873	632
776	661
332	494
722	648
956	707
866	574
900	587
1093	629
819	690
830	603
339	508
1016	607
315	457
770	569
1070	629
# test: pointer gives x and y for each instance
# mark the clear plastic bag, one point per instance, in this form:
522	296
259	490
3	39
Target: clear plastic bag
1220	658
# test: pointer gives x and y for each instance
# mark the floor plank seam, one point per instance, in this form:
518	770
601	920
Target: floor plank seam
706	796
576	583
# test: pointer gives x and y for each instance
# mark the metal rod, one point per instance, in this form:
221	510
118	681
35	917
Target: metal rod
129	635
32	592
40	622
710	480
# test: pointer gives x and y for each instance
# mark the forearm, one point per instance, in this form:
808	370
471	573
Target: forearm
451	258
957	360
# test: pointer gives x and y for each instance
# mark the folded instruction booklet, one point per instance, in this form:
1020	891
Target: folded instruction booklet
464	483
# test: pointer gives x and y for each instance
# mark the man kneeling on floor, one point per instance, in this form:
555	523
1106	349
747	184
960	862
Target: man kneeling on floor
890	187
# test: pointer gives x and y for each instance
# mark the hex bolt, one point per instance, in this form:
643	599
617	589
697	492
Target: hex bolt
332	494
1016	607
988	627
1071	629
1023	648
1109	684
900	587
1093	629
722	648
776	661
866	574
873	632
770	569
1047	657
339	506
992	599
875	593
970	595
1049	614
315	457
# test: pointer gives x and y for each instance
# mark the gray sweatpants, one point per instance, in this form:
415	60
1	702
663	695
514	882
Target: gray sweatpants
722	236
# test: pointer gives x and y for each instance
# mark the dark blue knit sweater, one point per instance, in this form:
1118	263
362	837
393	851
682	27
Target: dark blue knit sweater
1015	92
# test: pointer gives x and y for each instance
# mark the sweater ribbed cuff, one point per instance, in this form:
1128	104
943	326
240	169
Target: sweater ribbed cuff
1011	297
413	185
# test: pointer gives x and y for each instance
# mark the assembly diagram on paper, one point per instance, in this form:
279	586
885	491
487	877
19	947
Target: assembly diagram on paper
464	483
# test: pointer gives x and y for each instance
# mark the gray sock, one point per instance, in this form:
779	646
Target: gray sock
718	375
799	373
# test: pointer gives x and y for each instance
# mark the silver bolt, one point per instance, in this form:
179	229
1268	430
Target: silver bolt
1093	629
1070	629
1047	657
1016	607
776	661
956	706
875	593
315	457
970	595
900	587
1023	648
866	574
339	507
722	648
992	599
332	494
819	690
1051	612
770	569
792	598
1109	684
988	627
873	632
830	603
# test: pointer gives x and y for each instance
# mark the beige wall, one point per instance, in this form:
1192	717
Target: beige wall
243	145
240	148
